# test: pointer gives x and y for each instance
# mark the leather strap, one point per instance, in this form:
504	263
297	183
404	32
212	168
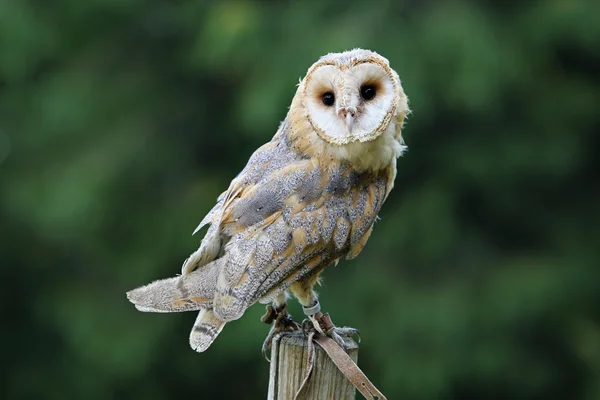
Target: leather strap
310	361
344	363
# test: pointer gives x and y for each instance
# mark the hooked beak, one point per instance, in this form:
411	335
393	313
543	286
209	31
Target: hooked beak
349	116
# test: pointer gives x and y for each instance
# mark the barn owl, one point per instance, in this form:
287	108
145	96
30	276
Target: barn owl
306	199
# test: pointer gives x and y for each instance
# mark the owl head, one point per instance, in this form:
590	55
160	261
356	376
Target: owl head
352	97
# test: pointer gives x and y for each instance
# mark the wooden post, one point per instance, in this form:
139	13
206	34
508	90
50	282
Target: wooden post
288	367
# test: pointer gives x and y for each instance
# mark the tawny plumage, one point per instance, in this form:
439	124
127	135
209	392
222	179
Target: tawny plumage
306	199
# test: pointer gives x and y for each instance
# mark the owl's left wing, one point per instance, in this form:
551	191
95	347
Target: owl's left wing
292	225
266	160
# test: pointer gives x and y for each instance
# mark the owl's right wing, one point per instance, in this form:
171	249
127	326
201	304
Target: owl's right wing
263	163
283	218
194	289
290	226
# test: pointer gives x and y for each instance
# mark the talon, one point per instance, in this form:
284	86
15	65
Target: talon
338	339
322	323
357	333
268	343
282	322
347	332
269	316
325	322
307	325
314	319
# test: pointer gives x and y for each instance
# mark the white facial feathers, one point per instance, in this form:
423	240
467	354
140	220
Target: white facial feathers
352	96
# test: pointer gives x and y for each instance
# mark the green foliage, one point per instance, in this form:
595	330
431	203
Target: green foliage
121	121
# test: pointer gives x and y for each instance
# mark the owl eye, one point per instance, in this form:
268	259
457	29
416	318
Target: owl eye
328	99
368	92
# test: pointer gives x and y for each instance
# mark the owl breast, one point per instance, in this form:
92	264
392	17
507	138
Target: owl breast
291	217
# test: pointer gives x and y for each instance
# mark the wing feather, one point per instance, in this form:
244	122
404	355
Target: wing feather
181	293
293	226
283	218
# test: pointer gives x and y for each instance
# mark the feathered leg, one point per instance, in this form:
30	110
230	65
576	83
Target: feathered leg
304	292
281	321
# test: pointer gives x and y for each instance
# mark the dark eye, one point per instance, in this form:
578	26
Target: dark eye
368	92
328	99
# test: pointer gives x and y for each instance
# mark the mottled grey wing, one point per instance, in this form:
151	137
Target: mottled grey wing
262	164
291	226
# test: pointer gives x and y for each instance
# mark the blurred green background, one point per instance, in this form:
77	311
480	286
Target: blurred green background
122	120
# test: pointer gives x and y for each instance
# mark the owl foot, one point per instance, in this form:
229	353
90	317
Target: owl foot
322	324
281	322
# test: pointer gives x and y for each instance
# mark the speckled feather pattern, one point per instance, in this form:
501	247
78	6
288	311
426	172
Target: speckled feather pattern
290	212
300	204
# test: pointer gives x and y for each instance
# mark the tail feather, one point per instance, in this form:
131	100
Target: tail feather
206	329
190	292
